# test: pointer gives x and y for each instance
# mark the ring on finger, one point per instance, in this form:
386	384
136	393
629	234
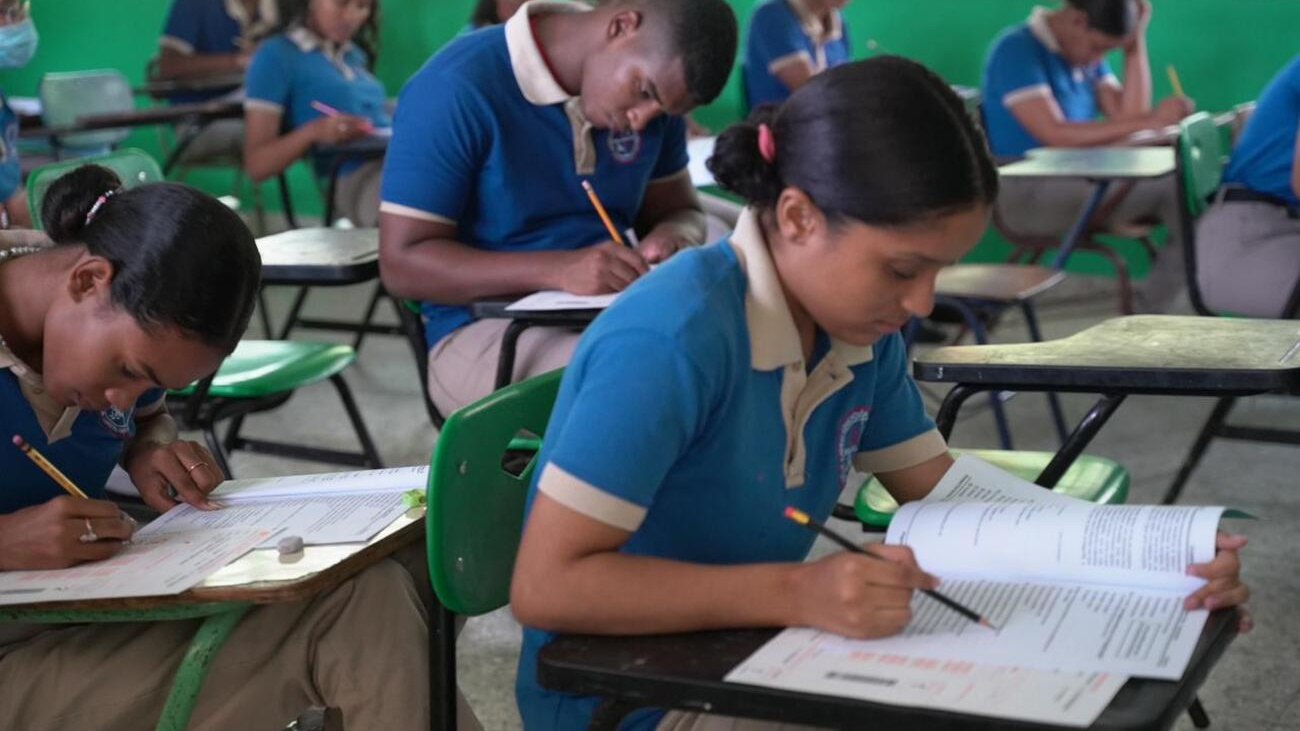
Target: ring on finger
89	536
195	466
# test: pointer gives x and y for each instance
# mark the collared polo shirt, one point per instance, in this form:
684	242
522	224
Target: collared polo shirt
11	175
298	67
1265	154
782	32
688	417
1025	62
214	26
486	139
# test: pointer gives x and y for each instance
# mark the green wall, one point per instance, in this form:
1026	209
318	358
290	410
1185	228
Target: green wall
1224	52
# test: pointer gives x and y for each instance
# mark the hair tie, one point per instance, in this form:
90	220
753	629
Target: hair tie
766	144
99	203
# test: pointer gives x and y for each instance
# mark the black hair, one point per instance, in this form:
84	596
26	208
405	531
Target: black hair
702	33
180	257
1112	17
484	14
883	141
294	12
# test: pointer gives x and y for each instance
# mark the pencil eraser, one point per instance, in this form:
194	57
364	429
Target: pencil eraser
289	545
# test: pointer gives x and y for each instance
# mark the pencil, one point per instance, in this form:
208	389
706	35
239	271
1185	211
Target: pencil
329	111
1174	81
805	520
48	467
604	217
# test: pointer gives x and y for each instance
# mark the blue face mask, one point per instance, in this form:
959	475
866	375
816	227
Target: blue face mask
17	44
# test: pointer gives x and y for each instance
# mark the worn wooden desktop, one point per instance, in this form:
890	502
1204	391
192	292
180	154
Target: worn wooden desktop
320	256
686	672
174	114
161	88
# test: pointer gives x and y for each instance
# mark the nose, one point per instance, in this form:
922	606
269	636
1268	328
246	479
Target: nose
918	299
124	398
640	115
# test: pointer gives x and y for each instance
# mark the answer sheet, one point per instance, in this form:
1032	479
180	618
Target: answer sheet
557	301
155	563
360	482
319	520
802	659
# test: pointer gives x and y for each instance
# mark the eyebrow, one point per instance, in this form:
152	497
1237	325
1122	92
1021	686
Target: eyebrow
654	92
928	259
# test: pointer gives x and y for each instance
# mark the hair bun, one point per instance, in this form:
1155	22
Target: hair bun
738	165
70	198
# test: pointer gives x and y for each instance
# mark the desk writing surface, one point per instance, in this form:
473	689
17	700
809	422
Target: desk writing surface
320	256
1093	163
495	308
1140	353
141	118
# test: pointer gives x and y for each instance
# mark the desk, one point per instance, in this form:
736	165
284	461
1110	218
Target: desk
160	88
521	320
686	671
1100	166
320	256
370	147
175	114
1139	354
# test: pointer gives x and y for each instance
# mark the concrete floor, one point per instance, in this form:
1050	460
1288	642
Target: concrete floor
1255	687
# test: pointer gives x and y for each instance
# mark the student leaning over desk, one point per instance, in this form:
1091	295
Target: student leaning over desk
789	42
752	374
137	292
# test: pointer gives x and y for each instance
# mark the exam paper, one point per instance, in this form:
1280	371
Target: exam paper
323	519
556	301
807	660
155	563
362	482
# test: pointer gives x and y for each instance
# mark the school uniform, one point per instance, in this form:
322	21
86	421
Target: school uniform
487	140
344	648
784	32
292	70
1248	241
214	27
11	174
689	418
1023	63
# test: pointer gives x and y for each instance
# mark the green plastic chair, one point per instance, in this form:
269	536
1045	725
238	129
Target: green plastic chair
67	96
1200	157
133	166
475	512
1095	479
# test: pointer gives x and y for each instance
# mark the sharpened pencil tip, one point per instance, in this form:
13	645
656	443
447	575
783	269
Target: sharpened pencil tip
984	622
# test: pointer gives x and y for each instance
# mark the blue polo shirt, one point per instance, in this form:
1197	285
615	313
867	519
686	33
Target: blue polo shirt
1024	62
293	69
1265	154
497	148
86	452
11	174
783	32
213	26
670	424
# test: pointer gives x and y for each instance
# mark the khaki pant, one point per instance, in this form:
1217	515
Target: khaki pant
691	721
218	141
1050	208
356	196
1247	258
463	365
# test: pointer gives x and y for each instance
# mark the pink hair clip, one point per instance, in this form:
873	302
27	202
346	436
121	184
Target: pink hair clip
766	143
99	203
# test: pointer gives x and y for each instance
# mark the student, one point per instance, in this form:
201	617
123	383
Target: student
752	374
17	46
212	38
492	12
141	291
323	56
789	42
482	191
1047	83
1248	242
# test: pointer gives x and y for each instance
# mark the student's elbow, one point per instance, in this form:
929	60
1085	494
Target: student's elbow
1295	180
256	166
532	599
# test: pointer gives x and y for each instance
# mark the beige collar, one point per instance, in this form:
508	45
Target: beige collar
307	41
268	16
1038	26
774	339
813	26
534	78
55	420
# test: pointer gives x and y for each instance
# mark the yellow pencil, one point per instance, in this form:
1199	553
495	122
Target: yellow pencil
48	467
1174	81
600	209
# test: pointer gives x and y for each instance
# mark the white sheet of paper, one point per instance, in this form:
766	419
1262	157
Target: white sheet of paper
319	520
363	482
807	660
698	151
556	301
156	563
381	132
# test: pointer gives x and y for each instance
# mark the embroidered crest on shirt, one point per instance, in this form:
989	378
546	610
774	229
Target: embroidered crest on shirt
624	146
115	422
851	428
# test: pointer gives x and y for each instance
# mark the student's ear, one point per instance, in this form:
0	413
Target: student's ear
798	218
91	279
624	23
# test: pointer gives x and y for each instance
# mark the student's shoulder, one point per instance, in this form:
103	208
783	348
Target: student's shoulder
1013	43
772	12
276	49
477	60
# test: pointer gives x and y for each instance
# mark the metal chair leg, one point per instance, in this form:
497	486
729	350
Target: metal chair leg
218	452
203	648
1196	711
294	311
1092	423
265	312
1208	432
973	322
358	424
442	657
946	419
1053	401
370	314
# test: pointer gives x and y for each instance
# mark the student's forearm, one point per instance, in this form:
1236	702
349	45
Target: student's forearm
616	593
179	65
449	272
263	160
1091	134
1135	100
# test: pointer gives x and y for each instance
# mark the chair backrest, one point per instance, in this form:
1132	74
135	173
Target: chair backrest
134	167
66	96
408	313
1241	115
475	507
1200	156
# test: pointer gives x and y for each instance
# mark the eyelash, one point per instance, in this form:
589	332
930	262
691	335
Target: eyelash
127	372
902	275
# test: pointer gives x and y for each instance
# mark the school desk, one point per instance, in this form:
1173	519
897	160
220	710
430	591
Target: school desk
1140	354
1100	166
494	308
370	147
196	113
686	671
221	600
163	88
